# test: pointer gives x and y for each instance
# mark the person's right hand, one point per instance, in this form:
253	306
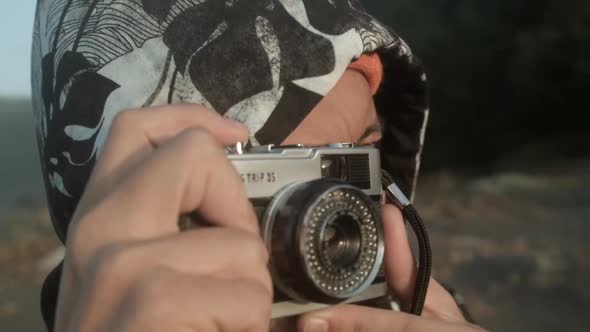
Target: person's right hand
127	268
441	313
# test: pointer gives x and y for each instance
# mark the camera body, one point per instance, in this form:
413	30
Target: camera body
319	213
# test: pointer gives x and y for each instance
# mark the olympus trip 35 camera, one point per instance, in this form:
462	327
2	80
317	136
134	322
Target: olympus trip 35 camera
319	214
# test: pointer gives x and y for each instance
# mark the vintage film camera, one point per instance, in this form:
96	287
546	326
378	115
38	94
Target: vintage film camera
319	213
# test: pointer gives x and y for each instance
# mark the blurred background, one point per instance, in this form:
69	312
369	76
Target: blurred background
505	187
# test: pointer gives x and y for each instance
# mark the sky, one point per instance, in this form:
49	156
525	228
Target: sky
16	26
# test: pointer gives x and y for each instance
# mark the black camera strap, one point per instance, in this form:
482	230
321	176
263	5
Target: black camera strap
396	196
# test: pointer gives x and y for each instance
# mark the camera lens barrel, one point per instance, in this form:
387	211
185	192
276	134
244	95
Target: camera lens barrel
325	239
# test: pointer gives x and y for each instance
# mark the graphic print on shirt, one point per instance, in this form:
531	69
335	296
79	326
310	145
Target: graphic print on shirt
242	58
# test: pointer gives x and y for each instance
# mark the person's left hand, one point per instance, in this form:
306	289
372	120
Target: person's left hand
441	313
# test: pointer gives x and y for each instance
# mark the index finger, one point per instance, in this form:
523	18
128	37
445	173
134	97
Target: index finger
137	132
358	318
187	173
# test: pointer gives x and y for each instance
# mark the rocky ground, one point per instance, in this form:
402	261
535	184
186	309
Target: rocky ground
513	243
26	241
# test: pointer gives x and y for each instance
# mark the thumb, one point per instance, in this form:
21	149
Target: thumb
401	269
400	265
357	318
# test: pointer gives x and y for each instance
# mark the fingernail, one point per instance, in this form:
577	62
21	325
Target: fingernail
315	325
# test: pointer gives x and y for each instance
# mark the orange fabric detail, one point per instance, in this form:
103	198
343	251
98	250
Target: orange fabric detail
370	65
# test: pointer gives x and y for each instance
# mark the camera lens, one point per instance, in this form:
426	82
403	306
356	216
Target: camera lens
341	241
325	239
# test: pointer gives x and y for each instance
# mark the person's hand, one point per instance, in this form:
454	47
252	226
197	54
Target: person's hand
441	313
127	268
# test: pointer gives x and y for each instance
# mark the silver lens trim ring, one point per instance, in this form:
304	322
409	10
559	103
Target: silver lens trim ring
361	274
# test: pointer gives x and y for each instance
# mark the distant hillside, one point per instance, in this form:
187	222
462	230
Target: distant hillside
20	172
15	104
